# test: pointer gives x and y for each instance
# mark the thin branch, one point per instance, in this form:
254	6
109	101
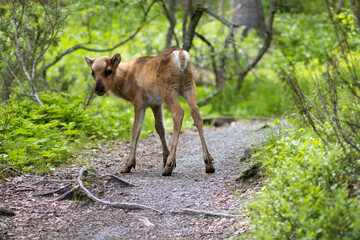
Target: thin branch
212	55
263	50
206	99
80	46
189	211
18	52
53	35
221	19
220	72
13	74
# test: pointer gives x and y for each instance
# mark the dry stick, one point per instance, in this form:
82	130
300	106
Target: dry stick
112	204
189	211
68	195
116	179
52	192
53	181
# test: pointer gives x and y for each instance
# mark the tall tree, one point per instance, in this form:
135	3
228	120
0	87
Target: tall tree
248	13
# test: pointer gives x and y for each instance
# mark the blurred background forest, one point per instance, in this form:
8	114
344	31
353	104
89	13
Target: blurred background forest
288	59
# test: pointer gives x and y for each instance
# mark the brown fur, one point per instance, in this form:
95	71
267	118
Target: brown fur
148	82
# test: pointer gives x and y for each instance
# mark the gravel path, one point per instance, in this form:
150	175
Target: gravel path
188	187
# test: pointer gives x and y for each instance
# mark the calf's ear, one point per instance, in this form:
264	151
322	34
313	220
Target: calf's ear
89	61
115	60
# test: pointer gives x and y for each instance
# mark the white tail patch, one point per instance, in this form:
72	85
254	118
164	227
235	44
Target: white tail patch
181	64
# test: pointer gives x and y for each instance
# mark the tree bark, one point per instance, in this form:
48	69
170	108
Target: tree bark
248	13
170	13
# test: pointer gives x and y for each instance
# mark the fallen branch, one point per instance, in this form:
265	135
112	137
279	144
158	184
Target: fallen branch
189	211
112	204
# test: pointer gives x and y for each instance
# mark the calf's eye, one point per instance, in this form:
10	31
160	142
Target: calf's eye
108	72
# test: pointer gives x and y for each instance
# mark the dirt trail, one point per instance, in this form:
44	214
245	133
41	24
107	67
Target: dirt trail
188	187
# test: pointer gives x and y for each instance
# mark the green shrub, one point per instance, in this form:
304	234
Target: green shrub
37	138
307	195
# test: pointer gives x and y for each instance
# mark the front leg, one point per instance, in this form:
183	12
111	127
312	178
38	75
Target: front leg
136	129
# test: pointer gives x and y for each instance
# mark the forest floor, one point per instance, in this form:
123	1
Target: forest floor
189	187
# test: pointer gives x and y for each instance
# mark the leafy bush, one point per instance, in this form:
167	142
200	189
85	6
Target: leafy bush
313	190
37	138
307	196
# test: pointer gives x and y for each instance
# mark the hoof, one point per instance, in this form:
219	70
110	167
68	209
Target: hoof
167	171
127	169
209	168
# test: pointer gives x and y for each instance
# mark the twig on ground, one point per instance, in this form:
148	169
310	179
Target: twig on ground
118	180
68	195
24	190
52	192
112	204
6	212
9	169
189	211
53	181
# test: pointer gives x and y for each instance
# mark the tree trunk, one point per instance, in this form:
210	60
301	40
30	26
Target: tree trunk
172	21
248	13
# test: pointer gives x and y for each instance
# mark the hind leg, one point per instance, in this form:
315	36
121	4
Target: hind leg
171	101
190	97
159	126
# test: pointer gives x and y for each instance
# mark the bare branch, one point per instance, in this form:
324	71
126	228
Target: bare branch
212	55
190	211
221	19
53	35
263	50
12	73
206	99
18	52
81	46
220	72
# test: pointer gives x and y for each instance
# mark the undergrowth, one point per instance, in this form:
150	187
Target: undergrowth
310	193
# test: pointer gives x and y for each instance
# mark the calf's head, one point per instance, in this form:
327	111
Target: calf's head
103	69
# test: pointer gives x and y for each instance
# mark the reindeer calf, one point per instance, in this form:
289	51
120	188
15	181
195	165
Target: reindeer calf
148	82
